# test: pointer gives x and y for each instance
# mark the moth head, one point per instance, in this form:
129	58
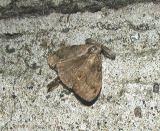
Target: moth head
94	49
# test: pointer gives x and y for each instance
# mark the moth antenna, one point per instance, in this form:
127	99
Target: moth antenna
108	53
90	41
105	50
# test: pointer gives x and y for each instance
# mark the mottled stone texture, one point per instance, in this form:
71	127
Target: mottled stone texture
130	97
21	8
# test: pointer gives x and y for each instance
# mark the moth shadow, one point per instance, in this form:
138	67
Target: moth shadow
84	102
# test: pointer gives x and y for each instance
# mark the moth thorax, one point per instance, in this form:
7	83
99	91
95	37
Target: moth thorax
91	58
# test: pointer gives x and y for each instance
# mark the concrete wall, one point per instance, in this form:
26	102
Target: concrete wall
130	96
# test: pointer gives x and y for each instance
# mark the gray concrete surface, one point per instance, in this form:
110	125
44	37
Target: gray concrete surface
130	97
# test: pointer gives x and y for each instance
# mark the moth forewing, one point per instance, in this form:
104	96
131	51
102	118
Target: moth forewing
79	67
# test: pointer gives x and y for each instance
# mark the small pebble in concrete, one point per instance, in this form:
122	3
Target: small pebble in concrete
156	88
14	96
138	112
65	30
48	96
134	37
9	49
109	98
34	66
30	87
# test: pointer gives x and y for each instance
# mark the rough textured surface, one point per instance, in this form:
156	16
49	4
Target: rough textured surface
21	8
129	99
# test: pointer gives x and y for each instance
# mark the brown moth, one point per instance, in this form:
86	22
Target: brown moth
79	67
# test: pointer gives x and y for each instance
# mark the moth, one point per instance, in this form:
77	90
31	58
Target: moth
79	68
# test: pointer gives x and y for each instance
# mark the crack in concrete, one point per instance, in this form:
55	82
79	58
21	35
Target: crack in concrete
45	7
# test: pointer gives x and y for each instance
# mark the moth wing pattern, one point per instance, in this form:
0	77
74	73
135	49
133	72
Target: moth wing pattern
70	52
90	76
83	74
64	53
66	70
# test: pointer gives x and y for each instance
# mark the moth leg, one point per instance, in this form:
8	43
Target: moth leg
53	84
52	60
108	53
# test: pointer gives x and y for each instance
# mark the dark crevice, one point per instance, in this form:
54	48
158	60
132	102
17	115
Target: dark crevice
10	35
12	10
45	7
